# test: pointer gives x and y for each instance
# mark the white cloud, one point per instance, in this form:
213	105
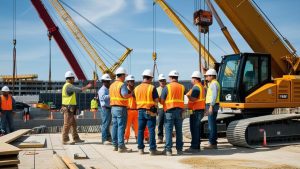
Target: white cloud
161	30
140	5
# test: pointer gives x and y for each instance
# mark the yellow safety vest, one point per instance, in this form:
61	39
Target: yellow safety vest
94	104
209	92
66	99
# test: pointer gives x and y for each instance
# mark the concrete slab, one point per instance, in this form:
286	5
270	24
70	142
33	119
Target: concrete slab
103	157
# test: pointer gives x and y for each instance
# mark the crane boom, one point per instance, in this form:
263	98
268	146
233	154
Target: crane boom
259	34
54	31
84	42
186	32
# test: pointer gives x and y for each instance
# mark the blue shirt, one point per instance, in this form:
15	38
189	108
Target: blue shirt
103	95
124	89
195	92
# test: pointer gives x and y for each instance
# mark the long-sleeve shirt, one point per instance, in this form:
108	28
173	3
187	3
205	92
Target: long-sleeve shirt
214	88
103	95
159	91
71	89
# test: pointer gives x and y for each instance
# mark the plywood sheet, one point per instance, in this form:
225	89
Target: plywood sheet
31	142
13	136
7	149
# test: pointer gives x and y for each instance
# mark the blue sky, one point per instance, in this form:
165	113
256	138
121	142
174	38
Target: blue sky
130	21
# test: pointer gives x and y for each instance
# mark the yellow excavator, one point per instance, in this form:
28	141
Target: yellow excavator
258	82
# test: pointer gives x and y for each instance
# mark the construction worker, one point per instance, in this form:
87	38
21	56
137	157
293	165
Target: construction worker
196	103
132	112
119	100
132	118
212	106
94	104
161	112
7	103
105	109
146	100
172	97
69	107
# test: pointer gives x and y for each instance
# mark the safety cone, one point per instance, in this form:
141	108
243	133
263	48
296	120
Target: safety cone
264	137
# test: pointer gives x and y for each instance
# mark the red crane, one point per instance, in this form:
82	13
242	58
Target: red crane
54	31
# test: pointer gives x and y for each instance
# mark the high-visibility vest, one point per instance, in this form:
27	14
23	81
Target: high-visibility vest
159	90
116	98
6	103
175	96
209	92
94	104
198	104
143	96
132	103
66	99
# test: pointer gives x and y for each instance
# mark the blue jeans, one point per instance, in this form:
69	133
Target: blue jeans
143	120
119	115
106	121
7	121
212	124
161	121
195	128
173	117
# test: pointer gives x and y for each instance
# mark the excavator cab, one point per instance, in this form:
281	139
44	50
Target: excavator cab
249	71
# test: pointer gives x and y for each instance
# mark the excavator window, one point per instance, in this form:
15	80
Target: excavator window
249	71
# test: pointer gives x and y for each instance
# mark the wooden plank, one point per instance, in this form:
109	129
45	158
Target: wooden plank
69	163
59	163
31	142
14	166
9	161
13	136
7	149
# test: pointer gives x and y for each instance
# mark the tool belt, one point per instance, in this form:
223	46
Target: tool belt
69	109
152	111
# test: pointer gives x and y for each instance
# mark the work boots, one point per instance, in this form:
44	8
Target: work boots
166	152
155	152
124	150
78	140
141	151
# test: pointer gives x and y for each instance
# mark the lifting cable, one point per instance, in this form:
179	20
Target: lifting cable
154	54
90	22
197	6
195	28
50	60
14	44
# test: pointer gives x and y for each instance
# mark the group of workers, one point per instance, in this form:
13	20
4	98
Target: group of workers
124	105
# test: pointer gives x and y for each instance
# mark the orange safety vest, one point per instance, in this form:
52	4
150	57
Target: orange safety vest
132	103
116	98
143	95
6	104
175	96
198	104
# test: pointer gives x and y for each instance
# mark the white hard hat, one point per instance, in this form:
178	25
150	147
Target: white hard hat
161	77
5	89
174	73
130	77
105	77
69	74
148	72
120	70
211	72
197	74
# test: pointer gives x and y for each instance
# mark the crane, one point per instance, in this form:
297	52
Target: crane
54	31
186	32
260	81
82	40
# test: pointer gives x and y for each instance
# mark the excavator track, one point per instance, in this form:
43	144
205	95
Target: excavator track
282	129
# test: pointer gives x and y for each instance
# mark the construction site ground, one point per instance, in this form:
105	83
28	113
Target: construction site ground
102	157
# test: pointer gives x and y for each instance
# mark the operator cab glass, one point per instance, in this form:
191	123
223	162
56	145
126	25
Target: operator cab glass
241	74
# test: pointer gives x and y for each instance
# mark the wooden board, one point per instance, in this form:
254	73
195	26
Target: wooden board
59	162
14	166
69	163
7	149
9	161
31	142
13	136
